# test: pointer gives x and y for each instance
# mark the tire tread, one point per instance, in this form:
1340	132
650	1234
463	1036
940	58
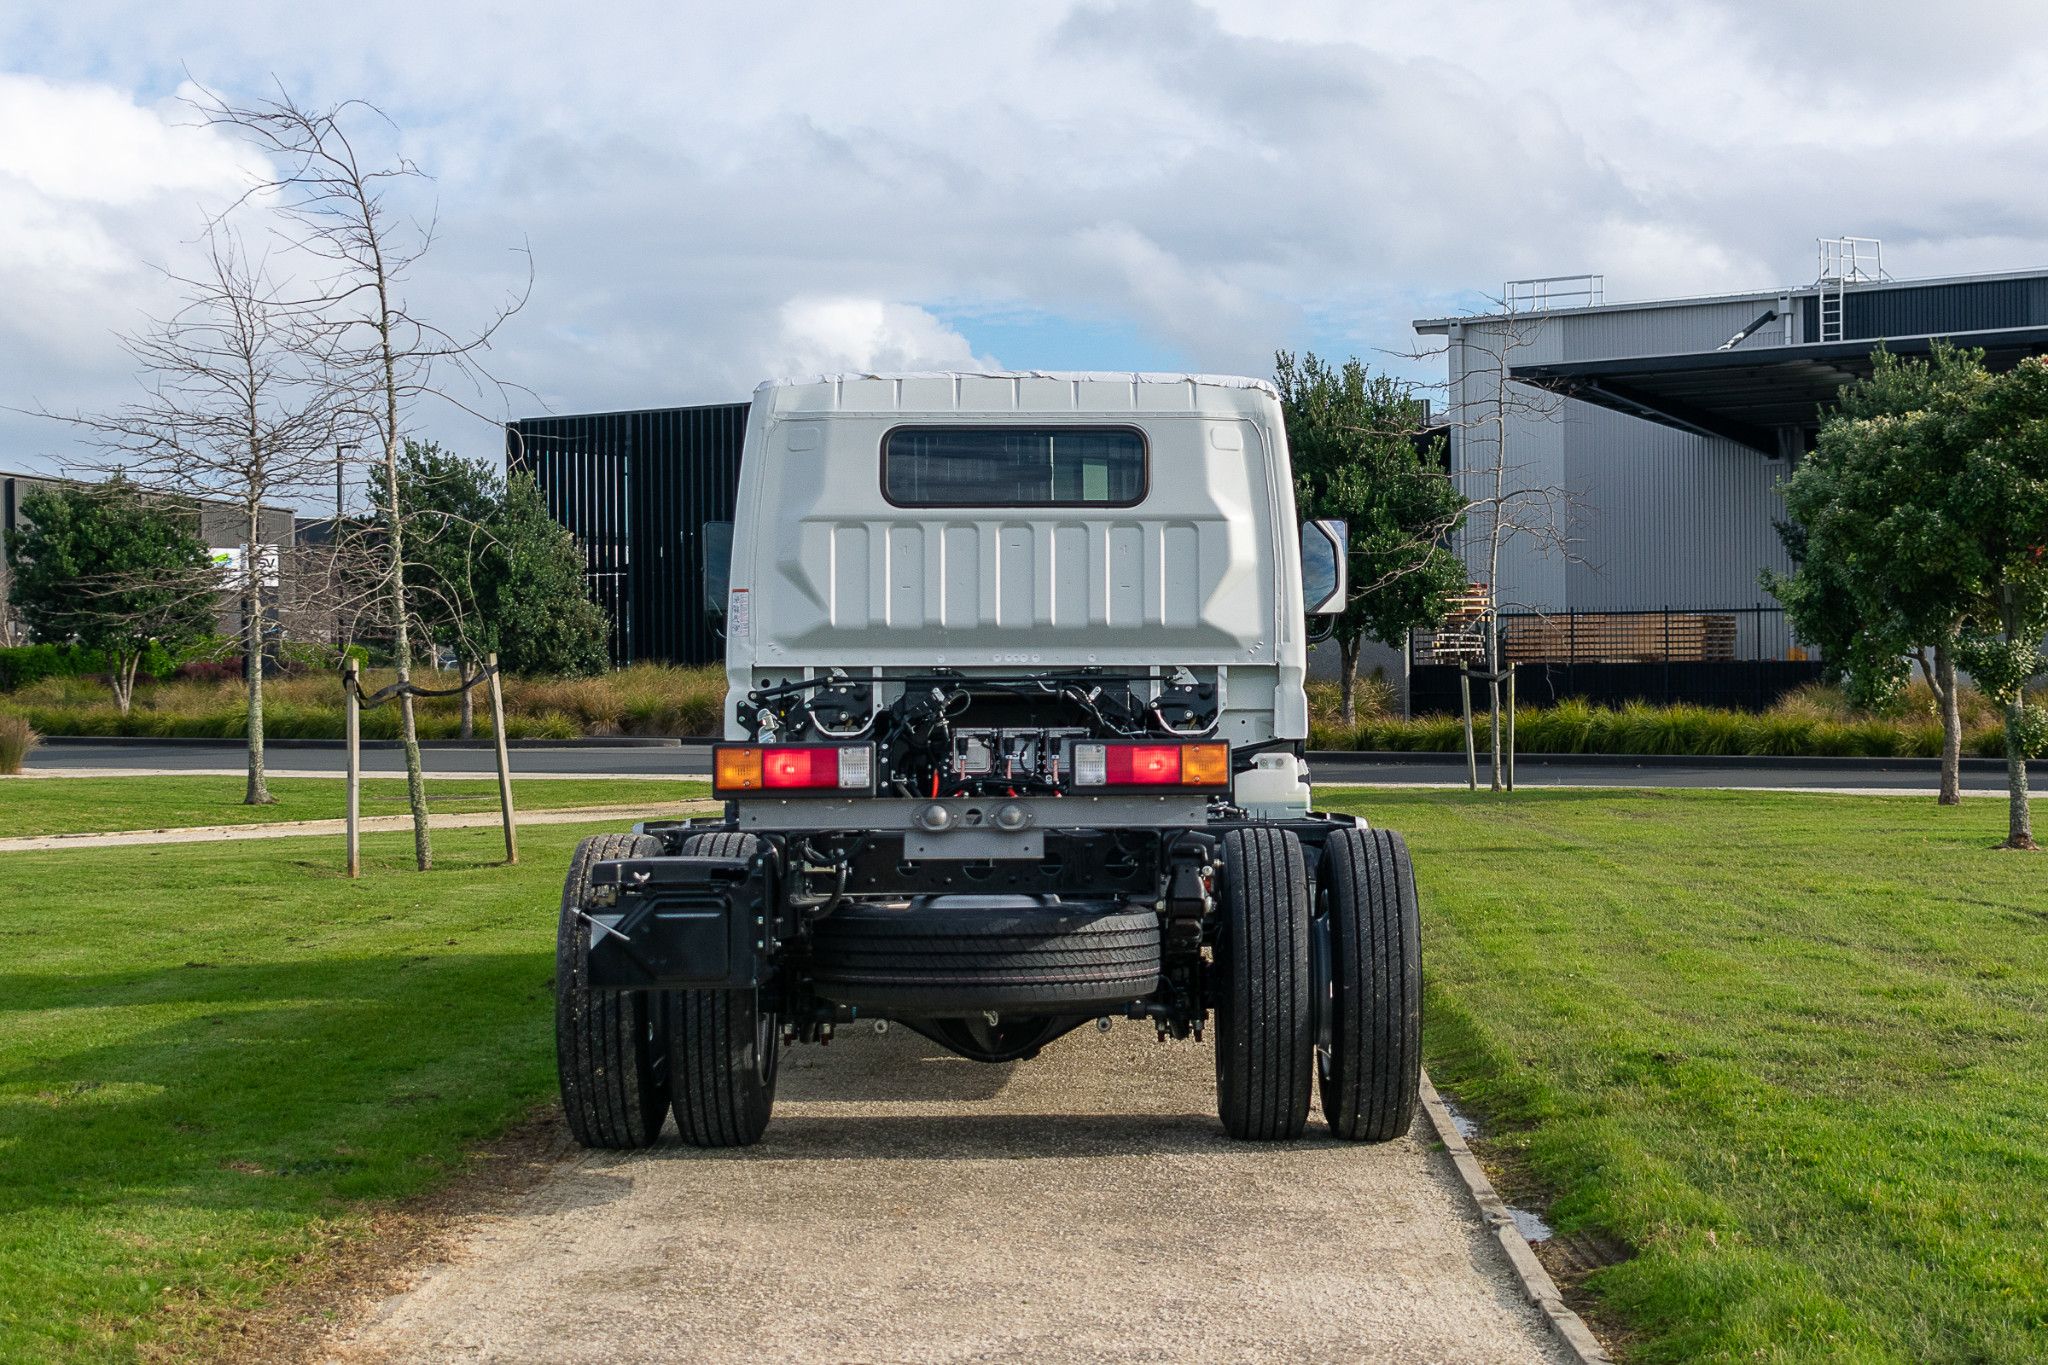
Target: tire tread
1265	1035
613	1076
1370	1089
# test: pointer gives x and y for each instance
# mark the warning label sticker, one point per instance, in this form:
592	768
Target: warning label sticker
739	621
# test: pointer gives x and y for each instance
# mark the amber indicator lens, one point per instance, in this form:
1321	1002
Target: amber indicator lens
736	769
1205	765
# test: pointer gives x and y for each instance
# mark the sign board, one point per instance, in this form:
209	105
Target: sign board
228	560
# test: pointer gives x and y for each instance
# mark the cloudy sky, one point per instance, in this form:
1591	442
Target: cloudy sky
715	194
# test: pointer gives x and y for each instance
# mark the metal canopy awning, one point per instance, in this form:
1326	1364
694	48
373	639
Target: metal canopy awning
1760	397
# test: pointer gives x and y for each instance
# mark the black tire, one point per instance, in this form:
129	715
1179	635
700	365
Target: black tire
725	1047
1265	1009
610	1046
955	961
1373	1067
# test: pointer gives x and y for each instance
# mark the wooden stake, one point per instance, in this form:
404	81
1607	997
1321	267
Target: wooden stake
1471	742
352	710
504	760
1511	728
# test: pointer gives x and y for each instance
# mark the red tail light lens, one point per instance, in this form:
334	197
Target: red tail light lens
1143	765
799	768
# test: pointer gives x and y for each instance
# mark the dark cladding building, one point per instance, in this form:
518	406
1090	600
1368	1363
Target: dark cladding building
637	489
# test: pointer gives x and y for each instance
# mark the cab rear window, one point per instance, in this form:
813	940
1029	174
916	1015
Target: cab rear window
1013	466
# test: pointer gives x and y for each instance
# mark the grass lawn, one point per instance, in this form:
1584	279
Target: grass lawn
74	805
1794	1049
208	1052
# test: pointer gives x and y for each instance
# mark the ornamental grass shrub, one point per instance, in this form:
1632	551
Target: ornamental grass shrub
1814	721
647	699
17	740
658	700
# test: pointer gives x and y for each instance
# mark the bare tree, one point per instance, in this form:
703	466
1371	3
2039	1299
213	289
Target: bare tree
381	356
1511	502
231	413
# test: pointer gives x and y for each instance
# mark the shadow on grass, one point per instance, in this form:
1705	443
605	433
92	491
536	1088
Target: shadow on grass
267	1086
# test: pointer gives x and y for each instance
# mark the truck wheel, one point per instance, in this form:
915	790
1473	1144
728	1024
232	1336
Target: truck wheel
1374	1063
1265	1010
724	1046
610	1046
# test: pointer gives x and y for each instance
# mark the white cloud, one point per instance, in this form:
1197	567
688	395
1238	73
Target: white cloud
100	194
832	335
714	194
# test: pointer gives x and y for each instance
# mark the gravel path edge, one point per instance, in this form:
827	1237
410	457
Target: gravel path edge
1569	1327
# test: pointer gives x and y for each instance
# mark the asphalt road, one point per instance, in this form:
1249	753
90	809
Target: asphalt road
694	760
909	1205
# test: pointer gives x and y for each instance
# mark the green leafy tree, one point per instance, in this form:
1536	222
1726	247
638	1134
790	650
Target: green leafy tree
488	570
1876	578
1925	514
1352	437
545	619
1998	501
113	570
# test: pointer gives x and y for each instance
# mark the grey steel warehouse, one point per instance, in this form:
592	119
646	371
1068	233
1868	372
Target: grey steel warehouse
1667	425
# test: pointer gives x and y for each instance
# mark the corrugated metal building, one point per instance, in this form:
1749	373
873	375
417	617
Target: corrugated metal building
638	489
1662	428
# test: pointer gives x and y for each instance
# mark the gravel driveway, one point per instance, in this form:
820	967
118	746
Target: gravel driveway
908	1205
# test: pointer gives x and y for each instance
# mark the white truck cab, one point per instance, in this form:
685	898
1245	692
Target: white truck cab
1015	731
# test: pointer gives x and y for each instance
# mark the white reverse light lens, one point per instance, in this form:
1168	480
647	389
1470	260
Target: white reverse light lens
1091	765
857	767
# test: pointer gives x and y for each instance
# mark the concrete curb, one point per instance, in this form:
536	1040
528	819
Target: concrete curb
1570	1328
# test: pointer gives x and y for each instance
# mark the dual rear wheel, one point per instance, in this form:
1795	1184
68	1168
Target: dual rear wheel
1323	987
627	1058
1327	986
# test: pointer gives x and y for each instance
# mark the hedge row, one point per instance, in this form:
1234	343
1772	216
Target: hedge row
280	721
23	665
1574	727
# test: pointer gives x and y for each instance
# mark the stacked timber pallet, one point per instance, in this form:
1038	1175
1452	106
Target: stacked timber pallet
1622	637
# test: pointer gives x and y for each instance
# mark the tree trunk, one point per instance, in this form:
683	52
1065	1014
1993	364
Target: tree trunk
1945	695
1347	662
468	700
2019	819
1493	692
121	677
401	638
257	792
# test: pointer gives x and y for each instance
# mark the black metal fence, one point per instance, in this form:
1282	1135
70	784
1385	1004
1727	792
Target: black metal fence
636	489
1742	658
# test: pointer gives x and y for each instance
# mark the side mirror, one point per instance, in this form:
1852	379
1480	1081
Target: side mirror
717	565
1325	552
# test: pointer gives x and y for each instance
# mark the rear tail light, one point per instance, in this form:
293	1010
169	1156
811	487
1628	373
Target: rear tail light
1203	766
739	768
